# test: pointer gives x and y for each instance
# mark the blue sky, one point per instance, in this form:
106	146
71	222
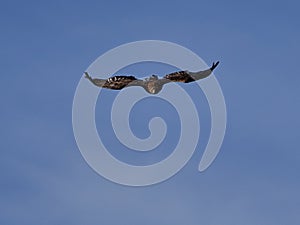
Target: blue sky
46	46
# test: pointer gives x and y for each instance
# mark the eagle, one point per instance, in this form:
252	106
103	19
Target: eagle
152	84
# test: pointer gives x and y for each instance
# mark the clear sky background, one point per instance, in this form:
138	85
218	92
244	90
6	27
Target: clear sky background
47	45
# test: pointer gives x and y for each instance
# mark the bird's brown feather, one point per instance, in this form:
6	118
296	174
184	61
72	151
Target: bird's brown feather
180	76
118	82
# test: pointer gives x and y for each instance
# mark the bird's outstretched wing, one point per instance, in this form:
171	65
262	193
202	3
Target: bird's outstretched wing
119	82
187	76
115	82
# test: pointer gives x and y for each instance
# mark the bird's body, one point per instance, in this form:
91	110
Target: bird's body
153	84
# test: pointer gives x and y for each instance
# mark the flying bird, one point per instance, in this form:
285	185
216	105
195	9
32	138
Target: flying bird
152	84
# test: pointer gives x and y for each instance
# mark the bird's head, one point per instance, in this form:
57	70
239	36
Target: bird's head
153	77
